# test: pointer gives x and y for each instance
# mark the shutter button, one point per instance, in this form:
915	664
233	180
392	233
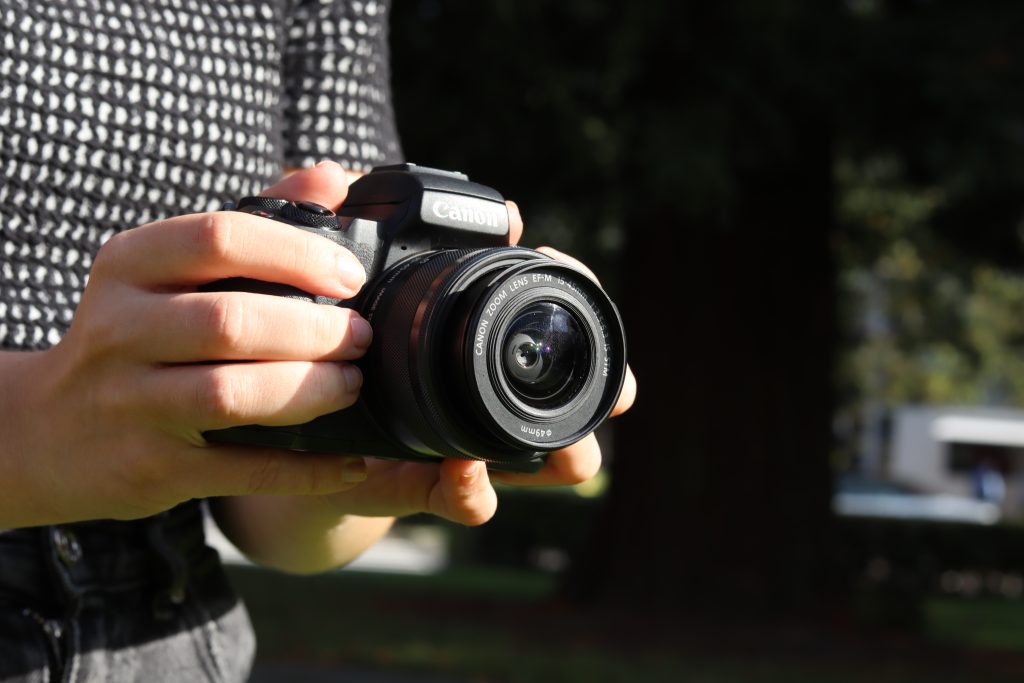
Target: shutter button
314	208
69	550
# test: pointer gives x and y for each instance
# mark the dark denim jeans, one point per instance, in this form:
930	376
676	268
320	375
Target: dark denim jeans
119	601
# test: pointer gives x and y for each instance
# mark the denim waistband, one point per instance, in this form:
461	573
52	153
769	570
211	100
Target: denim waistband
67	565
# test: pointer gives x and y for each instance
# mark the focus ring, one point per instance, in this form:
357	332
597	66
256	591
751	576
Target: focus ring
388	364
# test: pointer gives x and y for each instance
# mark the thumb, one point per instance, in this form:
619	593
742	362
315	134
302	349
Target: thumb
325	184
463	493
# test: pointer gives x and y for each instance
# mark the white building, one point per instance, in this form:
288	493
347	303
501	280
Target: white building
943	449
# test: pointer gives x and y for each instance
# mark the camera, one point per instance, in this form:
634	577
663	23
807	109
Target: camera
480	351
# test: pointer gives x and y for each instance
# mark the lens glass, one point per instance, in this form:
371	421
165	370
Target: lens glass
546	355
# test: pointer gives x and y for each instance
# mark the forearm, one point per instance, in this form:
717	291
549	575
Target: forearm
298	534
23	502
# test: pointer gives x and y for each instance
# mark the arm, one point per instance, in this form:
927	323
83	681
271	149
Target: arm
23	497
298	534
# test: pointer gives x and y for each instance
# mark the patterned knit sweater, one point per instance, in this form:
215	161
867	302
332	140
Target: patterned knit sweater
115	113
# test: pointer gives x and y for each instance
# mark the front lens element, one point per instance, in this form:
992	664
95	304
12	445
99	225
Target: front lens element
547	355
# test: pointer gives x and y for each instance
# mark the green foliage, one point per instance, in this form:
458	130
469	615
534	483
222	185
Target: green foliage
924	322
996	332
930	189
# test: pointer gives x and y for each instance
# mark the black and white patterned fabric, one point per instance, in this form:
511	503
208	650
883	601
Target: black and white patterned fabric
115	113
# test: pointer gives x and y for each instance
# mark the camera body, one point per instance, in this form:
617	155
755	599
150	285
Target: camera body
481	350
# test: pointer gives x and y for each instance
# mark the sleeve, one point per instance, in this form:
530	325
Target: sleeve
337	100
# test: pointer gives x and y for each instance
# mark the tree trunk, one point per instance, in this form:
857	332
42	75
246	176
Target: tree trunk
721	483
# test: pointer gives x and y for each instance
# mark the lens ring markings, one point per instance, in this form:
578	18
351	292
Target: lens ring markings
562	422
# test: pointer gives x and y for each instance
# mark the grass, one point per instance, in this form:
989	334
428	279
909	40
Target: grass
489	626
981	623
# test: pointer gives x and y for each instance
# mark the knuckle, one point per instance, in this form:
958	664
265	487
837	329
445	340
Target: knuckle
328	325
222	395
305	253
114	397
214	234
103	333
327	388
319	478
313	255
266	476
476	502
325	383
109	255
322	385
146	473
226	323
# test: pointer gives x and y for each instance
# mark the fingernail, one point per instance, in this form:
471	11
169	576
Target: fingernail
353	378
473	472
324	162
362	333
353	470
353	277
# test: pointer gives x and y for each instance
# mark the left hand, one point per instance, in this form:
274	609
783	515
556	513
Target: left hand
461	490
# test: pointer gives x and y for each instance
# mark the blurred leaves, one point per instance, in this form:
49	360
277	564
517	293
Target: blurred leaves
930	178
926	323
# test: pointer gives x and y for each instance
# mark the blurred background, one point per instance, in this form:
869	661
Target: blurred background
811	214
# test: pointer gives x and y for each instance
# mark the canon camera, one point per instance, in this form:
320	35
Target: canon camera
481	350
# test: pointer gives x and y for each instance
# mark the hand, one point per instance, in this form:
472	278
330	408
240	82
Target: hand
108	422
460	490
314	533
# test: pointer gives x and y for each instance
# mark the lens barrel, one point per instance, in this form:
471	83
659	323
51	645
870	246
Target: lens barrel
495	354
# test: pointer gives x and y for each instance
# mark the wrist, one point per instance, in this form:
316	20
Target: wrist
24	469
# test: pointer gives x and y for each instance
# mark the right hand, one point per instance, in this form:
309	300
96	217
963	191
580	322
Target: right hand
108	423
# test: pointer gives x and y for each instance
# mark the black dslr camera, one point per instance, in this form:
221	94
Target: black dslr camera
480	350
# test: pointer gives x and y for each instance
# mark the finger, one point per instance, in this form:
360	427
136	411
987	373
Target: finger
239	471
202	397
196	249
392	489
241	326
464	493
325	184
515	223
628	394
569	466
565	258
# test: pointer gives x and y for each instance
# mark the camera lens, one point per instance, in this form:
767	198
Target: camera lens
547	355
497	354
